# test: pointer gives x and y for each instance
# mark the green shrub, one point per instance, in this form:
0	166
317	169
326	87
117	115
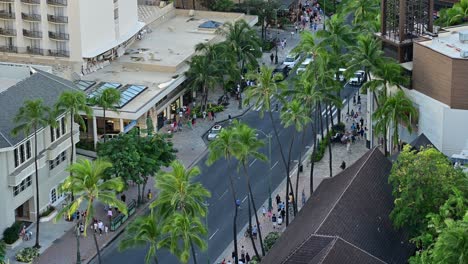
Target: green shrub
210	107
270	240
85	144
27	254
338	128
11	234
48	211
321	147
267	45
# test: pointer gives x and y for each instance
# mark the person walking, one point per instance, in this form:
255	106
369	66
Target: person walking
343	165
150	195
247	258
238	203
109	213
278	199
100	227
273	220
272	57
263	211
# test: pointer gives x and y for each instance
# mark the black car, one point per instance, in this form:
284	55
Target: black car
283	69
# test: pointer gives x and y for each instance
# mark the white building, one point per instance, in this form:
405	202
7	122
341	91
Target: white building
44	31
17	180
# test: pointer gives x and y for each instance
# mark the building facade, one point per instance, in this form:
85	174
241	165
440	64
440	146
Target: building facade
17	170
44	31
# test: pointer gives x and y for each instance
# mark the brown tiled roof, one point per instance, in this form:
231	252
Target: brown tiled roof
352	207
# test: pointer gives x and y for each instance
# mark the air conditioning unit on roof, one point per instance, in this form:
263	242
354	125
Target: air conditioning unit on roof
464	53
463	35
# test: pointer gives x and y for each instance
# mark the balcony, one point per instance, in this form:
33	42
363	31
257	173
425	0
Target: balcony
59	36
6	15
32	34
7	32
31	17
31	2
11	49
34	51
57	19
57	2
7	1
59	53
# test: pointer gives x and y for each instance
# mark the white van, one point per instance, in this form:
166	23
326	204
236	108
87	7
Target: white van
292	59
303	65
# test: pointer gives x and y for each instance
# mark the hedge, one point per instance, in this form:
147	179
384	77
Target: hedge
270	240
27	255
11	234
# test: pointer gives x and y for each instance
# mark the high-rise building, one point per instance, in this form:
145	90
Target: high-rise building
44	31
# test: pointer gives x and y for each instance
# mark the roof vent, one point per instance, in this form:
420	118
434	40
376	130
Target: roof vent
463	35
464	53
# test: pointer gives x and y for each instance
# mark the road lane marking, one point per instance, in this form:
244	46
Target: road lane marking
252	162
217	229
223	194
276	163
245	198
344	101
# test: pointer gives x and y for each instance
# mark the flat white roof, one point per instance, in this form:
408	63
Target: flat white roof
12	73
448	43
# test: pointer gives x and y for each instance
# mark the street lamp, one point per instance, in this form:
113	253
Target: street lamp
277	36
270	202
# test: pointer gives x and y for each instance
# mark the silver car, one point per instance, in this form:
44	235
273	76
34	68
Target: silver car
214	132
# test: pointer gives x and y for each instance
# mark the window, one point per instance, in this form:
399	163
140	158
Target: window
22	153
63	156
62	125
51	165
22	186
59	131
53	195
116	13
52	134
58	160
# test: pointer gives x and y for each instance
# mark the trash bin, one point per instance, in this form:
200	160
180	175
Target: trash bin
301	168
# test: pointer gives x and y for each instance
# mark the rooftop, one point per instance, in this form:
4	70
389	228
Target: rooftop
448	42
11	73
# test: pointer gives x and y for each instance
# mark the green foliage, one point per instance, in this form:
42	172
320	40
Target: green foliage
321	148
85	144
2	252
27	255
11	234
458	14
222	5
48	211
338	128
271	239
210	107
422	182
268	45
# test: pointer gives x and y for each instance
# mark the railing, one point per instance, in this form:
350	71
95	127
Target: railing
7	1
32	34
121	218
31	17
59	36
7	32
57	2
36	51
57	19
7	15
34	2
13	49
59	53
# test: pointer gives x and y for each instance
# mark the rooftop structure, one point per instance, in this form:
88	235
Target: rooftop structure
449	42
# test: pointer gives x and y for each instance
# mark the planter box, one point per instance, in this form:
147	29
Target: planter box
49	217
14	245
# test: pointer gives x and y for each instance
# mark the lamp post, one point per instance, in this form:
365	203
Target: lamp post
277	36
270	202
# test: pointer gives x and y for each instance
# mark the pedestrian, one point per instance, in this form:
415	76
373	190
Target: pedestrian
77	214
100	227
280	220
106	229
361	121
247	258
224	261
204	115
123	197
272	57
263	211
95	227
295	27
179	125
273	220
238	203
210	117
348	146
303	197
283	213
230	119
359	99
109	214
193	120
343	165
242	251
149	195
254	231
81	228
213	114
278	199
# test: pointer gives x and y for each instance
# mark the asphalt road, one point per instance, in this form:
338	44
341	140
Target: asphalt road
215	179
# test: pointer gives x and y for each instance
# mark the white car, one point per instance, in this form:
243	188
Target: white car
303	65
341	74
292	59
358	79
214	132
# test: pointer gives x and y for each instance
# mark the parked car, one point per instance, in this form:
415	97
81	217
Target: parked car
284	70
341	72
358	79
303	65
292	59
214	132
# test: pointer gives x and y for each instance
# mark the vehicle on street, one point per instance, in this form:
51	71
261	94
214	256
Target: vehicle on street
214	132
341	73
283	69
303	65
358	79
292	59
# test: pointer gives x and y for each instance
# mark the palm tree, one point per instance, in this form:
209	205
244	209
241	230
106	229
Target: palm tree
297	115
89	186
202	73
31	117
144	230
366	54
179	192
184	231
364	11
224	147
395	110
2	252
73	102
248	146
108	99
458	14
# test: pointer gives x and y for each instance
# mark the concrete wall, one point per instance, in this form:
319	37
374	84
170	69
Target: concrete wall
128	16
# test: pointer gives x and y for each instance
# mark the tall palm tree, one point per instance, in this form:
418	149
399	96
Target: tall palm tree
297	115
366	54
89	186
397	109
73	102
143	231
248	148
224	147
184	233
2	252
31	117
108	100
364	11
178	191
202	73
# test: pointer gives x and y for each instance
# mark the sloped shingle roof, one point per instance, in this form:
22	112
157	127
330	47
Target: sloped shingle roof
42	85
352	206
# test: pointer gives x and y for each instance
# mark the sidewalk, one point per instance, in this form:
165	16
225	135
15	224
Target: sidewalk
58	242
321	171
